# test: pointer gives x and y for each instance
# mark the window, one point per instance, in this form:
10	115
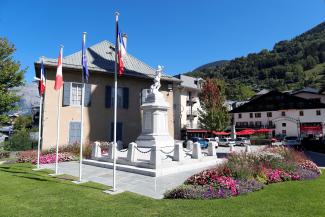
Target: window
269	114
257	115
119	97
283	114
251	123
76	94
74	132
239	115
119	130
318	112
72	94
284	124
251	115
270	123
258	123
284	132
301	113
122	97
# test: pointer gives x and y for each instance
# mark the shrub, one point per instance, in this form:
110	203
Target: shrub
74	149
26	156
186	192
247	186
306	174
4	154
20	141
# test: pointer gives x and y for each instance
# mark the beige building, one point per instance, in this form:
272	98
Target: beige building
187	104
99	92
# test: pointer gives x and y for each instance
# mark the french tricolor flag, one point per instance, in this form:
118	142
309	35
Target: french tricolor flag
58	79
41	82
121	53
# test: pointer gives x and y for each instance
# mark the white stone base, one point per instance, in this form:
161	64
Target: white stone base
166	169
79	182
111	192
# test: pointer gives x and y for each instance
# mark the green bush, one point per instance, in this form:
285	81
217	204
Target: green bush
4	154
20	141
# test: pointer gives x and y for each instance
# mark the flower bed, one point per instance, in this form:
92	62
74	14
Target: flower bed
31	157
247	172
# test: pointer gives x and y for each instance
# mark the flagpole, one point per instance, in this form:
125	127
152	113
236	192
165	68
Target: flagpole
82	117
39	132
115	102
58	121
58	133
40	121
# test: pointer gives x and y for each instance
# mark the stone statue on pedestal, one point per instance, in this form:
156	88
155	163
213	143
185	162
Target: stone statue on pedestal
155	120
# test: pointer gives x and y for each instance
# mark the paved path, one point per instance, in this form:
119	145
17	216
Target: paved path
153	187
318	158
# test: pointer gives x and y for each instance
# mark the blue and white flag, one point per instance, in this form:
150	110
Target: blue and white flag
85	72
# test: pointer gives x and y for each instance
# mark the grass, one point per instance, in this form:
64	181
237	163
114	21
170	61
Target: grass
24	192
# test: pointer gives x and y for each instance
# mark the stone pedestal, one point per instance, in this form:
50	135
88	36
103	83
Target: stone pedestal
155	122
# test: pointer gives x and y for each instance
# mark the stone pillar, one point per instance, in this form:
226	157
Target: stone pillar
197	154
211	148
155	156
96	151
189	145
178	152
110	151
132	153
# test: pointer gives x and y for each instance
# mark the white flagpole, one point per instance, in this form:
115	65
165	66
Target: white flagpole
39	131
82	118
58	133
115	105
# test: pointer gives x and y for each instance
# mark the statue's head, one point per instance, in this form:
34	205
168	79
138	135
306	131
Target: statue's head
159	68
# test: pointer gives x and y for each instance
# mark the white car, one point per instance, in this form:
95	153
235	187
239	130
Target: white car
242	141
212	140
291	141
226	142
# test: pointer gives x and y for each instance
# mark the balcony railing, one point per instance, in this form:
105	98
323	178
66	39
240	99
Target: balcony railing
255	126
192	100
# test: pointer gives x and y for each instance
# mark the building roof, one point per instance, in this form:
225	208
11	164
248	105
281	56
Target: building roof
188	81
101	58
275	101
306	90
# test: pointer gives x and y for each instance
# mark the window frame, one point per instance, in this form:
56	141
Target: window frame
71	95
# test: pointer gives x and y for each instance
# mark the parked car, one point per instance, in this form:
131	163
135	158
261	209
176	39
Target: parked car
212	140
203	142
226	142
242	141
291	141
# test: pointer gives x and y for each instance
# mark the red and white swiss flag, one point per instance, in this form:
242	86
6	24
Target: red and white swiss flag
58	78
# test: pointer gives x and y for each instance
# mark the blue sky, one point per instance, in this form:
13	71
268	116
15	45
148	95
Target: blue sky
178	34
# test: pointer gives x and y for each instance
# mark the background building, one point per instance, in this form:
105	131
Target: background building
99	92
284	113
187	105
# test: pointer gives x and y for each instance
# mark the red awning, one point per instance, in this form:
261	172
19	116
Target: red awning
245	132
222	133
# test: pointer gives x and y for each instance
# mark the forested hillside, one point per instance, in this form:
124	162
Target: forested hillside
291	64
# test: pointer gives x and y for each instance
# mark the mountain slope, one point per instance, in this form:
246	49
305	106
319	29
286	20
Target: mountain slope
290	64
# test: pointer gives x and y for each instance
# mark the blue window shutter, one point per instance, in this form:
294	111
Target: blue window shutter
125	97
119	128
87	99
108	96
66	93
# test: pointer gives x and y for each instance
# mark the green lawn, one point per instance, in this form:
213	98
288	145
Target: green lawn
24	192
